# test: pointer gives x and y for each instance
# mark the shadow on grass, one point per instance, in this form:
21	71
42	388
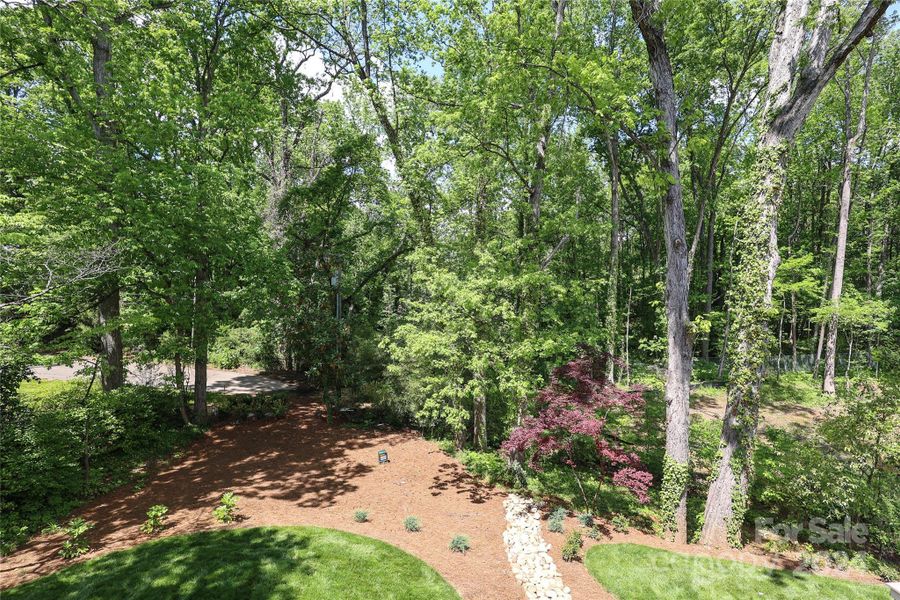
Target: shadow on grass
273	563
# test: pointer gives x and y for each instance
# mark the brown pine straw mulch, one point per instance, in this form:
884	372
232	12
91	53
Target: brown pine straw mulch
299	470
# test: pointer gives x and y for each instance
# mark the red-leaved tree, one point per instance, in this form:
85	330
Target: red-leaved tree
572	409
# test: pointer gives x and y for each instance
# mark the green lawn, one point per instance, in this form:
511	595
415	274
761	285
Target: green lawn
268	562
633	572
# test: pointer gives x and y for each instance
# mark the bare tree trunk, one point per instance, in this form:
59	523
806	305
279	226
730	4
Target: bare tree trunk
850	158
612	319
794	330
678	369
179	385
791	96
479	428
112	373
710	272
820	330
201	344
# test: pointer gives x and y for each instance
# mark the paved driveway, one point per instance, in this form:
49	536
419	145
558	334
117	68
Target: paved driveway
217	380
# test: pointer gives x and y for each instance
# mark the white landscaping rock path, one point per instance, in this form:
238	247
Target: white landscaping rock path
529	554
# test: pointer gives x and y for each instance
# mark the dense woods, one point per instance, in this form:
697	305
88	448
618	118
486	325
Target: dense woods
427	207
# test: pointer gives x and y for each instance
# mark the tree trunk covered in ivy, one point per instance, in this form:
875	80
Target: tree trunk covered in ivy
679	354
791	96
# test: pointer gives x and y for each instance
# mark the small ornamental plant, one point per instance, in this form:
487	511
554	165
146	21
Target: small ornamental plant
594	533
586	519
620	523
226	511
459	543
571	417
412	524
361	516
76	545
555	525
557	519
571	550
155	517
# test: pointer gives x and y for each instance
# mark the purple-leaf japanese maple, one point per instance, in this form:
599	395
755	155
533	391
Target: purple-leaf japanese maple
575	406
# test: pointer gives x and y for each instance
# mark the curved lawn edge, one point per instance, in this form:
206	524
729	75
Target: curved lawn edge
636	572
303	562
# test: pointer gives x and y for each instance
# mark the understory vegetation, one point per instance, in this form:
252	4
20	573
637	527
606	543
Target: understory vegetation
63	445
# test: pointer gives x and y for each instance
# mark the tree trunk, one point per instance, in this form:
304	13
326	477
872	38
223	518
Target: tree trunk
112	375
850	158
794	330
201	343
479	408
710	272
678	369
113	372
179	385
612	319
791	96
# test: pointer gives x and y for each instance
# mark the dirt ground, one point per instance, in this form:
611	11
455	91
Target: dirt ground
301	471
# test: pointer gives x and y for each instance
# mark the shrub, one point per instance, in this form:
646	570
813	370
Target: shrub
361	516
812	560
491	467
571	550
241	406
556	520
586	519
226	511
838	559
76	545
43	441
460	543
155	517
620	523
412	524
594	533
569	431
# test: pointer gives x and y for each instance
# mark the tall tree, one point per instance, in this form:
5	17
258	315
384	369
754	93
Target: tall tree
851	158
798	71
678	323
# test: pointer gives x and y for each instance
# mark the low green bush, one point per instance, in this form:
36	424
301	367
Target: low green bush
490	467
62	447
586	519
571	550
361	516
412	524
244	406
76	544
226	511
555	522
155	519
460	543
620	523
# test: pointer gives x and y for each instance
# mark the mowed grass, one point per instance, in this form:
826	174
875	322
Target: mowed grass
278	563
633	572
